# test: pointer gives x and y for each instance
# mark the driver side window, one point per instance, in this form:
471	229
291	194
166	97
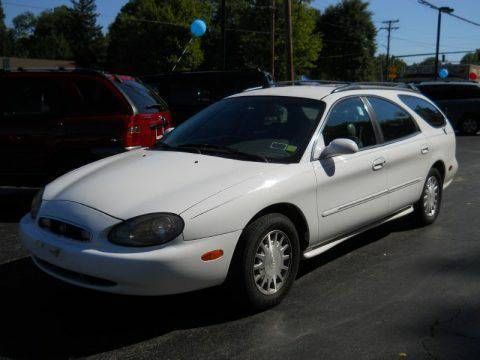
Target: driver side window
349	119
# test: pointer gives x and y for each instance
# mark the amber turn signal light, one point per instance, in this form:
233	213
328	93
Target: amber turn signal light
212	255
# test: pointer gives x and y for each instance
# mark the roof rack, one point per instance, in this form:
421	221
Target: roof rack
350	85
309	82
376	86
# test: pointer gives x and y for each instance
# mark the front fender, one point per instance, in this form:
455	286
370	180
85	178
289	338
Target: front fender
232	210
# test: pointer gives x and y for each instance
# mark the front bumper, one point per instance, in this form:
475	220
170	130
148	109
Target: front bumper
173	268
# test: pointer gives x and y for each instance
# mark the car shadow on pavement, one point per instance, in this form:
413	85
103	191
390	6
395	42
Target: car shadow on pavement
403	224
45	318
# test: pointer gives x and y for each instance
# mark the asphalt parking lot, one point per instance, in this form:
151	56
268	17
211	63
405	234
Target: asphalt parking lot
395	292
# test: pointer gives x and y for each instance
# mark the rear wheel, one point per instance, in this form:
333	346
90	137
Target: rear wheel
469	126
428	207
266	263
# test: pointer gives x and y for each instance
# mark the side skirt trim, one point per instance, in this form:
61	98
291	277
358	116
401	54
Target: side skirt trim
326	245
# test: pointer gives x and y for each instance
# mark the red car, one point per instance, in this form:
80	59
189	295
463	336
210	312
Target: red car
52	121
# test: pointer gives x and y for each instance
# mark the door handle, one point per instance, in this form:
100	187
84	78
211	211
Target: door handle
378	164
424	150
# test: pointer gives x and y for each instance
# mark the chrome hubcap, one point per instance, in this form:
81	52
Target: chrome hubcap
272	262
431	195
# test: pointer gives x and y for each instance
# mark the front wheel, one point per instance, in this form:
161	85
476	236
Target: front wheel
428	207
267	261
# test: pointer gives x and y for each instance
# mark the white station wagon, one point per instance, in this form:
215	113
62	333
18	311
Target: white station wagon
244	190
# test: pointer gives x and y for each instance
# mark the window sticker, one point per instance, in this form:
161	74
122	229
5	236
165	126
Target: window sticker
279	146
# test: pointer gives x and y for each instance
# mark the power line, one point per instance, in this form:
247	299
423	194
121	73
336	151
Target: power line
389	28
430	5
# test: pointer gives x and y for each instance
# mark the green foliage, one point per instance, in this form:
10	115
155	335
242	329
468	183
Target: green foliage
148	36
427	61
249	37
380	63
3	32
60	33
349	42
471	58
89	48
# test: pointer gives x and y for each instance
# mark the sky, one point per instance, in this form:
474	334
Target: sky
417	33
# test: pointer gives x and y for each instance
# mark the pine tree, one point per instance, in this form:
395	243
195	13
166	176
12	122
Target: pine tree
3	32
86	35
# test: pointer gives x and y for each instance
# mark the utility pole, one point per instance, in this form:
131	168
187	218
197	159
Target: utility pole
288	14
273	40
389	28
446	10
443	9
224	35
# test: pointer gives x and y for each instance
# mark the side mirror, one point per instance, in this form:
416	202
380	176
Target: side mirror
339	147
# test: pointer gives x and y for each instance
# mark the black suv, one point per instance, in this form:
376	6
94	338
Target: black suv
189	92
52	121
460	101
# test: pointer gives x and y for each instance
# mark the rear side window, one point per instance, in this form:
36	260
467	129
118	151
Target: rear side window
92	96
394	122
145	99
425	110
349	119
30	96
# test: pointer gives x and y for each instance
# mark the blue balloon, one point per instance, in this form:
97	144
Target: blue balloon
443	73
198	28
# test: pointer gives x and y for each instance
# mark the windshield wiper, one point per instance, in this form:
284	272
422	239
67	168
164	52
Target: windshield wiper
226	150
187	147
202	148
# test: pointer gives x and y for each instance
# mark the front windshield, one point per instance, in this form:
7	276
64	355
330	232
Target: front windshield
272	128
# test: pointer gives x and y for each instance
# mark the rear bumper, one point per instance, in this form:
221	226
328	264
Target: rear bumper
451	171
174	268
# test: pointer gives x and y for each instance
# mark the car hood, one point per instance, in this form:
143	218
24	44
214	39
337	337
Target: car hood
145	181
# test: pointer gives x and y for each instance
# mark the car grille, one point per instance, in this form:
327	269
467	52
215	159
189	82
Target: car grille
64	229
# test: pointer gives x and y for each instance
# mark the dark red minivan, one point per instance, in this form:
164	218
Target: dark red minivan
52	121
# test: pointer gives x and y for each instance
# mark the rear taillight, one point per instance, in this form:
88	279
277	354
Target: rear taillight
133	134
144	130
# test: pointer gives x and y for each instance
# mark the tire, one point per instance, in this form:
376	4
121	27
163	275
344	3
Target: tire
428	206
469	126
249	270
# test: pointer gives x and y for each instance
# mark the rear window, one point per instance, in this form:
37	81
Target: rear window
145	99
450	92
425	110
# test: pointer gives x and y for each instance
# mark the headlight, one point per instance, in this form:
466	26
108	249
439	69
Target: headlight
36	203
147	230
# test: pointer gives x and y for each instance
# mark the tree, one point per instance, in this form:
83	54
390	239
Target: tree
23	29
471	58
88	43
3	32
51	38
148	36
349	42
249	37
427	61
380	63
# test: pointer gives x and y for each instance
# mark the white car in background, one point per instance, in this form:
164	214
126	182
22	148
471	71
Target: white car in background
244	190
